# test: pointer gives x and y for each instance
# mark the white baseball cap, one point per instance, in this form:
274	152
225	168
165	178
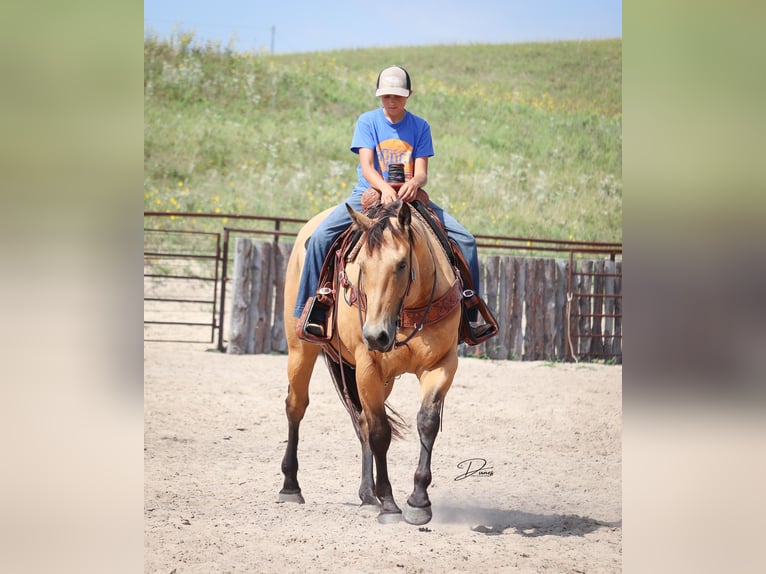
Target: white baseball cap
393	80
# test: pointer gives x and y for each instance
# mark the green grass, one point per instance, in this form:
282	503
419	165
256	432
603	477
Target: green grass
528	137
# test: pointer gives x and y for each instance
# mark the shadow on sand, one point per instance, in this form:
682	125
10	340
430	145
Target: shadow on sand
492	521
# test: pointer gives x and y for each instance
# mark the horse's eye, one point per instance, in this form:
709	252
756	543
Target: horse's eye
402	266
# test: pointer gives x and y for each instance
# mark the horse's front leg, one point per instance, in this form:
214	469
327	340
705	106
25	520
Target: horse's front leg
434	387
379	435
367	486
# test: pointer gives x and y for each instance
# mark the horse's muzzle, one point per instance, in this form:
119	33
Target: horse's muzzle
378	338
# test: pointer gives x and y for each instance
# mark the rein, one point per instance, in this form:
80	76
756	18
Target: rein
419	325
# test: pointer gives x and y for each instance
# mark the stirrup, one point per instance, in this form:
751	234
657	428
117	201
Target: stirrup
482	332
314	329
314	324
476	334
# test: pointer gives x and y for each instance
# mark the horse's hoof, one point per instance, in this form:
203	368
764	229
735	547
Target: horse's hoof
389	517
369	507
417	516
291	497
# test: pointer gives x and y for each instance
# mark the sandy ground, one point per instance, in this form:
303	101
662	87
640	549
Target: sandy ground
215	433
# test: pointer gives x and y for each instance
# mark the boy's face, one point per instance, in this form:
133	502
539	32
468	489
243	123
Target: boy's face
393	104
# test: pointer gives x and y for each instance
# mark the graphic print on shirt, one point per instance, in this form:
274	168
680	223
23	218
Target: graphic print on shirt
395	151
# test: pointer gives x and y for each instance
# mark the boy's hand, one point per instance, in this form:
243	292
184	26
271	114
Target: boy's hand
408	191
387	195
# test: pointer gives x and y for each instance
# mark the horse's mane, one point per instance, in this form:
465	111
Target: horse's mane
381	216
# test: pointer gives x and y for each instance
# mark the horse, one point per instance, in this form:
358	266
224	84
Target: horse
400	269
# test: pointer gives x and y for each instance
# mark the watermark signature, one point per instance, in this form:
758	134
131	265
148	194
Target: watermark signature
474	467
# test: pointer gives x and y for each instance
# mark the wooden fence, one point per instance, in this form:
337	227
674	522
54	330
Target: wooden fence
547	309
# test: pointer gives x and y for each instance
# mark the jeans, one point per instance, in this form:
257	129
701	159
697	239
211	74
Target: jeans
336	223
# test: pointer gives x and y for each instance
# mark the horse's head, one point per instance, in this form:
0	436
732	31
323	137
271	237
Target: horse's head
385	261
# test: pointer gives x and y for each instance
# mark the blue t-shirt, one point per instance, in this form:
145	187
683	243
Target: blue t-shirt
393	143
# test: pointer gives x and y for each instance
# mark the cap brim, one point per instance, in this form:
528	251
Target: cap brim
392	91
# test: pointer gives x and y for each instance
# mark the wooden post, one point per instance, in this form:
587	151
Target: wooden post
597	344
493	289
539	303
517	315
584	300
501	348
240	301
533	332
560	338
618	311
278	338
549	305
609	268
260	307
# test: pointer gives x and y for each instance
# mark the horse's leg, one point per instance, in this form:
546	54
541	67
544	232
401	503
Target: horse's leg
380	440
434	387
367	486
379	435
300	364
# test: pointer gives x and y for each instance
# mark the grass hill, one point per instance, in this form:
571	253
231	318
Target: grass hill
528	137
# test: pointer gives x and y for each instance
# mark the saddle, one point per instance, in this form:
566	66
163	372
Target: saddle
332	279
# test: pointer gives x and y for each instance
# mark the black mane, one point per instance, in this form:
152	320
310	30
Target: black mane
382	216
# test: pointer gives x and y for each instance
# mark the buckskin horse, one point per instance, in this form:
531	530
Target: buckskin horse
397	311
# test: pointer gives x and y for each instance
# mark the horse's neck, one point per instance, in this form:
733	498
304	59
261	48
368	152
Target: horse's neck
429	259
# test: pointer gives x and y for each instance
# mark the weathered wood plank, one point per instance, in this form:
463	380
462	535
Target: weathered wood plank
240	301
572	311
597	308
501	349
260	308
585	284
278	338
609	269
494	292
539	303
562	278
517	316
533	331
549	309
618	311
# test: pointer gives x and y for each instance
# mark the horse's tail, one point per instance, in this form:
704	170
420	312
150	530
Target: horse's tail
397	422
344	377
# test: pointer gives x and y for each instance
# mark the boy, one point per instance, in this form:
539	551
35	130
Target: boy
385	136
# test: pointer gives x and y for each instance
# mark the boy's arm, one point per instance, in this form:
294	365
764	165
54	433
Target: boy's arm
374	178
409	189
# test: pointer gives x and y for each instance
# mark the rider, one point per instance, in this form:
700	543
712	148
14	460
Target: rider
384	136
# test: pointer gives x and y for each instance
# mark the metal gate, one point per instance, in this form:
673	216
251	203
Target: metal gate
594	309
181	275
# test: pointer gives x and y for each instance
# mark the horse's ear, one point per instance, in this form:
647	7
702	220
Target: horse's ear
360	220
405	216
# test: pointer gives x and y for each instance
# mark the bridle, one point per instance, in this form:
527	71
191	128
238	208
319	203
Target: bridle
358	294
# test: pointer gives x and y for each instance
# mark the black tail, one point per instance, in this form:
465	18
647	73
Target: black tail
344	377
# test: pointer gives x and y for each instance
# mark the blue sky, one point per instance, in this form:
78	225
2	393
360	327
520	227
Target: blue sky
312	25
